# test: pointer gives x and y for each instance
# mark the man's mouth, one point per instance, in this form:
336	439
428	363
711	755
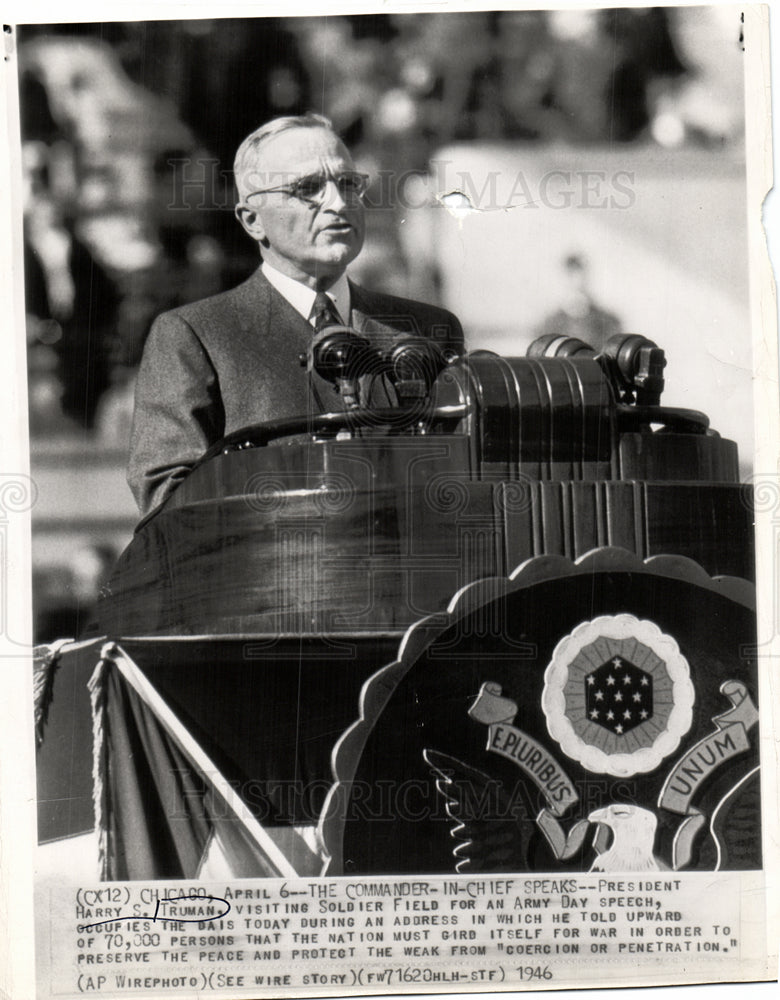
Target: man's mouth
337	227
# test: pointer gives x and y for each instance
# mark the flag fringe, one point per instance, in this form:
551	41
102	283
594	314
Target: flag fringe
46	659
100	777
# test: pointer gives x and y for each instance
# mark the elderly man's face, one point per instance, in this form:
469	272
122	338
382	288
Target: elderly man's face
311	239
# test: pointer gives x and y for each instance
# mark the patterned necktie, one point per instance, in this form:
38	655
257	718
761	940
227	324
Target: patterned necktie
323	312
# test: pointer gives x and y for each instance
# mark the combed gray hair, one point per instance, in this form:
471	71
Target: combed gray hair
247	152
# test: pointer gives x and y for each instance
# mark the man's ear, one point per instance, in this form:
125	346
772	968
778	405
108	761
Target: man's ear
250	221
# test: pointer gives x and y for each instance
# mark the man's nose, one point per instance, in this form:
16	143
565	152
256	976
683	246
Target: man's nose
332	196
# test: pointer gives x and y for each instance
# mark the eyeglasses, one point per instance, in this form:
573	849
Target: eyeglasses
311	188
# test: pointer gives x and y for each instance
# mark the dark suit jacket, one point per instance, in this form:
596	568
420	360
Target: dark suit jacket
215	366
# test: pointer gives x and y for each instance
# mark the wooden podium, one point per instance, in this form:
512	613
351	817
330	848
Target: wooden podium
280	578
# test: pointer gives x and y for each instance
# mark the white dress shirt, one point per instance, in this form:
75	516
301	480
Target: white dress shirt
301	297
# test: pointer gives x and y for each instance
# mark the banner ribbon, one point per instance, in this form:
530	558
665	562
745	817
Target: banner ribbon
729	738
497	713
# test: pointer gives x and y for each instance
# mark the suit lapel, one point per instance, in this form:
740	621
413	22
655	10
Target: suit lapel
368	320
276	334
367	316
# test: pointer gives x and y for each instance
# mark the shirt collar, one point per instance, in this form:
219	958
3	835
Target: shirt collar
301	297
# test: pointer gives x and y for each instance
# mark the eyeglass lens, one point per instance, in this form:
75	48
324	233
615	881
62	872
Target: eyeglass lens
349	186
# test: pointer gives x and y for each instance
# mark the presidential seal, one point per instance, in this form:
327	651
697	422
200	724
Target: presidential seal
617	695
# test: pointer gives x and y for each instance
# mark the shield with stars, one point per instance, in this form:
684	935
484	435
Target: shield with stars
546	713
618	695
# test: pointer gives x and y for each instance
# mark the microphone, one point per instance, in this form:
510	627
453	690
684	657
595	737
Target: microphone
414	364
638	366
341	356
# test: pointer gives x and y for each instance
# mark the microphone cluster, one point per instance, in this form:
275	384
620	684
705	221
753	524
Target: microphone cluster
343	357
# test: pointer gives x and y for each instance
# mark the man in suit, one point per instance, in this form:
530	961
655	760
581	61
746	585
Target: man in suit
232	360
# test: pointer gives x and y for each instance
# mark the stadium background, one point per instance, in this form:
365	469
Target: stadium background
502	145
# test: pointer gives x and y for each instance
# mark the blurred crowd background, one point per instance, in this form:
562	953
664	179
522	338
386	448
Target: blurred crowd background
128	136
